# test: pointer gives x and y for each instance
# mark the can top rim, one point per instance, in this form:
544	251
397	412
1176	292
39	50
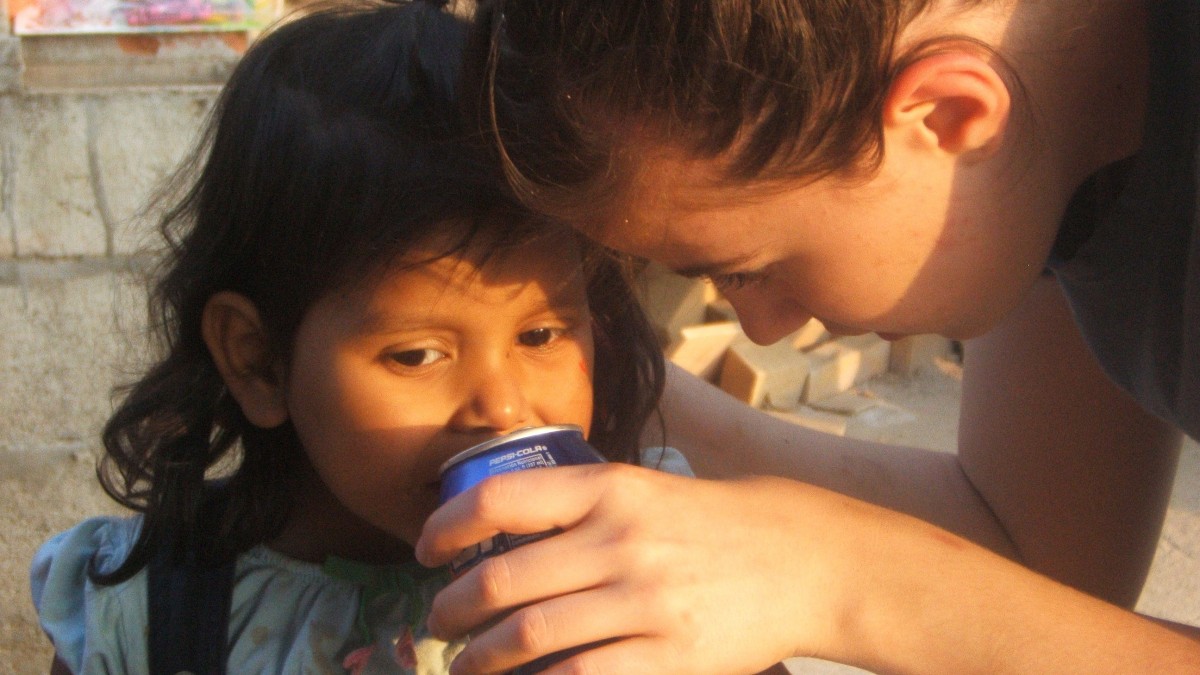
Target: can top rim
517	435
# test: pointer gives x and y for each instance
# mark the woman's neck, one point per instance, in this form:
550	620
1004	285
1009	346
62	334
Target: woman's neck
1079	80
1084	64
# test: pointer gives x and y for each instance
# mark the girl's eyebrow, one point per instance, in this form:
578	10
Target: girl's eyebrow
381	321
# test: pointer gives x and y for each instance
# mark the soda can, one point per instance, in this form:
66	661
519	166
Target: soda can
529	448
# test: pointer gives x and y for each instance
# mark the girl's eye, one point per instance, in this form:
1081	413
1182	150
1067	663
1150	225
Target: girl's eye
540	337
414	358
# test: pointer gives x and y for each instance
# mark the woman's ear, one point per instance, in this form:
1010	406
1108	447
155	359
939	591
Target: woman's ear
952	100
238	343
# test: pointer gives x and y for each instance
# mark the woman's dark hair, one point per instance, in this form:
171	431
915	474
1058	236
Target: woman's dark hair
337	145
779	89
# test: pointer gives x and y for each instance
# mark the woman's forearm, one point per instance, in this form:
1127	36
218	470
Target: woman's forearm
928	602
724	438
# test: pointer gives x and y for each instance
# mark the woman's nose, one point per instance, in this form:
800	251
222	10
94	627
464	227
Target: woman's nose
496	401
765	321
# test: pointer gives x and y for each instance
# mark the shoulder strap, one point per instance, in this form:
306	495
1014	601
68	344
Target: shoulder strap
189	603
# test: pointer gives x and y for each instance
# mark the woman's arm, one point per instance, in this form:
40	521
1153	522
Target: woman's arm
1057	467
724	438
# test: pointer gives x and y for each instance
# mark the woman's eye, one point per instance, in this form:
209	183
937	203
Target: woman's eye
414	358
539	337
736	280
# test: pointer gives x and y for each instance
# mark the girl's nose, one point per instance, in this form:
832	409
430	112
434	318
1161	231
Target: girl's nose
497	402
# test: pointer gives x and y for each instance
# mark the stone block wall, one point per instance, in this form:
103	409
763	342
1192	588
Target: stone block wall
89	127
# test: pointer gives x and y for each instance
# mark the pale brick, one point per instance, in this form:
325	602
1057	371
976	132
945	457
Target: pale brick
56	63
671	301
700	349
810	335
10	63
54	206
843	362
139	140
849	402
772	376
718	310
69	336
914	353
7	175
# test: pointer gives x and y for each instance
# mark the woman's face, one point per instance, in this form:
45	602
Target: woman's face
388	382
902	253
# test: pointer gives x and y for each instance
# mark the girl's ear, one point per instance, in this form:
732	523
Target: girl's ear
238	343
953	100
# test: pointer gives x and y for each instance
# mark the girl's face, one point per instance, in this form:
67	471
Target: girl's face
389	381
907	252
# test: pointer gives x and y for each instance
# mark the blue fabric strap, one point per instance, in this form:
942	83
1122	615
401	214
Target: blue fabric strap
189	601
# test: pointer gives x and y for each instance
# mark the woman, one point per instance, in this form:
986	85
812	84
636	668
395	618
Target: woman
1018	175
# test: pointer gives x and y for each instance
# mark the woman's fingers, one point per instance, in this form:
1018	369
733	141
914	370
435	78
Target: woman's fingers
555	566
571	621
689	576
522	502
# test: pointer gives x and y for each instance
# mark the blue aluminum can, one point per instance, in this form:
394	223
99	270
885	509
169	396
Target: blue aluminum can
530	448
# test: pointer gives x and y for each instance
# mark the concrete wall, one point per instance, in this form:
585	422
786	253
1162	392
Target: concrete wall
88	128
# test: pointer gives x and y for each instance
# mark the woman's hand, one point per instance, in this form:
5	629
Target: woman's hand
694	576
719	577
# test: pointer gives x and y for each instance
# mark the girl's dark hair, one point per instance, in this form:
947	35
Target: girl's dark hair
336	146
782	89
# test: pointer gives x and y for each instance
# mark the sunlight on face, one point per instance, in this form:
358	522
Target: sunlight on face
389	381
888	254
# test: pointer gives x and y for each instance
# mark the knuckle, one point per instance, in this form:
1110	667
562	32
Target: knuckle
466	662
493	496
626	486
495	580
434	620
633	548
532	631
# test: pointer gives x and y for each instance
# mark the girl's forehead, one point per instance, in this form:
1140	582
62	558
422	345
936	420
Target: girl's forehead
552	259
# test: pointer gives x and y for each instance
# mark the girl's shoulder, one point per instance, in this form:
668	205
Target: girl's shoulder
286	615
87	621
293	616
666	459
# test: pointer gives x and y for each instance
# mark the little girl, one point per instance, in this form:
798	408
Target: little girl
350	299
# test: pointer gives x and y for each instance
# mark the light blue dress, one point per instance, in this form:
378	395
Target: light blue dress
286	616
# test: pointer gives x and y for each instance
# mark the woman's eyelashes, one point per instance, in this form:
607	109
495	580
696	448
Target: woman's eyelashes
736	280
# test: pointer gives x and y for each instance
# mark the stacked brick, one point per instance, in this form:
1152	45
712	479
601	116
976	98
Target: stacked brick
810	377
